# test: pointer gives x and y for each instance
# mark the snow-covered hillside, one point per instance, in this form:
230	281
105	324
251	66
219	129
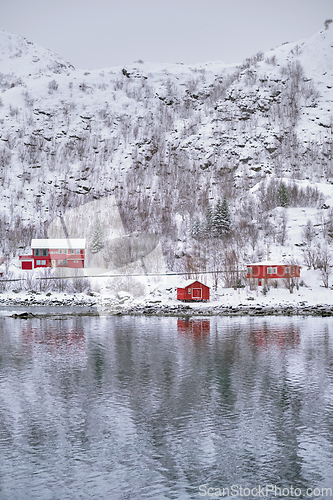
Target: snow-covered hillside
168	141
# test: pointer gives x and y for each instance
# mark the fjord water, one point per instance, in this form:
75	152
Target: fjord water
135	408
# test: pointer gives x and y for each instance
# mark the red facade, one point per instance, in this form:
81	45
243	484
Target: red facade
264	271
42	257
53	259
195	291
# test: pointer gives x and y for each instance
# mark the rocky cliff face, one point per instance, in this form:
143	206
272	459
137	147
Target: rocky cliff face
166	140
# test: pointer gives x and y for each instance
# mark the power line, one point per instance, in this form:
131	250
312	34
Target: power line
130	275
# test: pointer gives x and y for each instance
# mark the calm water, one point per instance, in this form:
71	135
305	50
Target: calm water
153	408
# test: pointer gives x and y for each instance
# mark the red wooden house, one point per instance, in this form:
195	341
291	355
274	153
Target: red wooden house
193	291
69	252
262	271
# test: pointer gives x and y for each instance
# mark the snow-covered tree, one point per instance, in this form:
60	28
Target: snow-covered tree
221	224
283	195
197	229
97	238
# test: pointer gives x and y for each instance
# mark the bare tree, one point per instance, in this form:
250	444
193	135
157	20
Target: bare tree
282	228
231	266
216	265
253	235
327	23
324	264
310	256
308	232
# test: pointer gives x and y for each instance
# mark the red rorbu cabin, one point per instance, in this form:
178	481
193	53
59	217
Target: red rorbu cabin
193	291
263	271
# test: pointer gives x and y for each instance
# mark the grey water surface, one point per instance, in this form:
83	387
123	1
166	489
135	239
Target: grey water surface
163	408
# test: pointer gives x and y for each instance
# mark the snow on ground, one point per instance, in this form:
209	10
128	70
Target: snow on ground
311	293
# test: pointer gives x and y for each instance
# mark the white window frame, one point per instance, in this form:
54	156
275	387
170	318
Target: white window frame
200	295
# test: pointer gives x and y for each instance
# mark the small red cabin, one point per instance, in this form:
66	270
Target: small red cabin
193	291
263	271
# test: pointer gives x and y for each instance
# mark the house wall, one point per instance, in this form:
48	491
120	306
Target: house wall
261	272
41	262
74	260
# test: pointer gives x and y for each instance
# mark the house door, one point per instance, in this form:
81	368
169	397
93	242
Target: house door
26	264
196	293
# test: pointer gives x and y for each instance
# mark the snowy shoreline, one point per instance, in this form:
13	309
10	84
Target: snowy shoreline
82	305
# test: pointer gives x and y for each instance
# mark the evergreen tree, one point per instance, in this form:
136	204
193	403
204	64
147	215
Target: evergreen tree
283	195
221	219
196	231
97	238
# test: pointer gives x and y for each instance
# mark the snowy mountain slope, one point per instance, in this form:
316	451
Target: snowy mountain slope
167	140
22	58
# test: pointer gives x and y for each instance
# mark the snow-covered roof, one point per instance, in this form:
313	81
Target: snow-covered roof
64	243
185	283
271	263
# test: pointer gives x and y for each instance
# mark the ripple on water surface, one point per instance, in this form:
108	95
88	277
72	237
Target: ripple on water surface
124	407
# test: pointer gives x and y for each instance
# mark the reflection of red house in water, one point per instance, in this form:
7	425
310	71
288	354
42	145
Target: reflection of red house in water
72	341
196	327
270	270
281	337
193	291
67	252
